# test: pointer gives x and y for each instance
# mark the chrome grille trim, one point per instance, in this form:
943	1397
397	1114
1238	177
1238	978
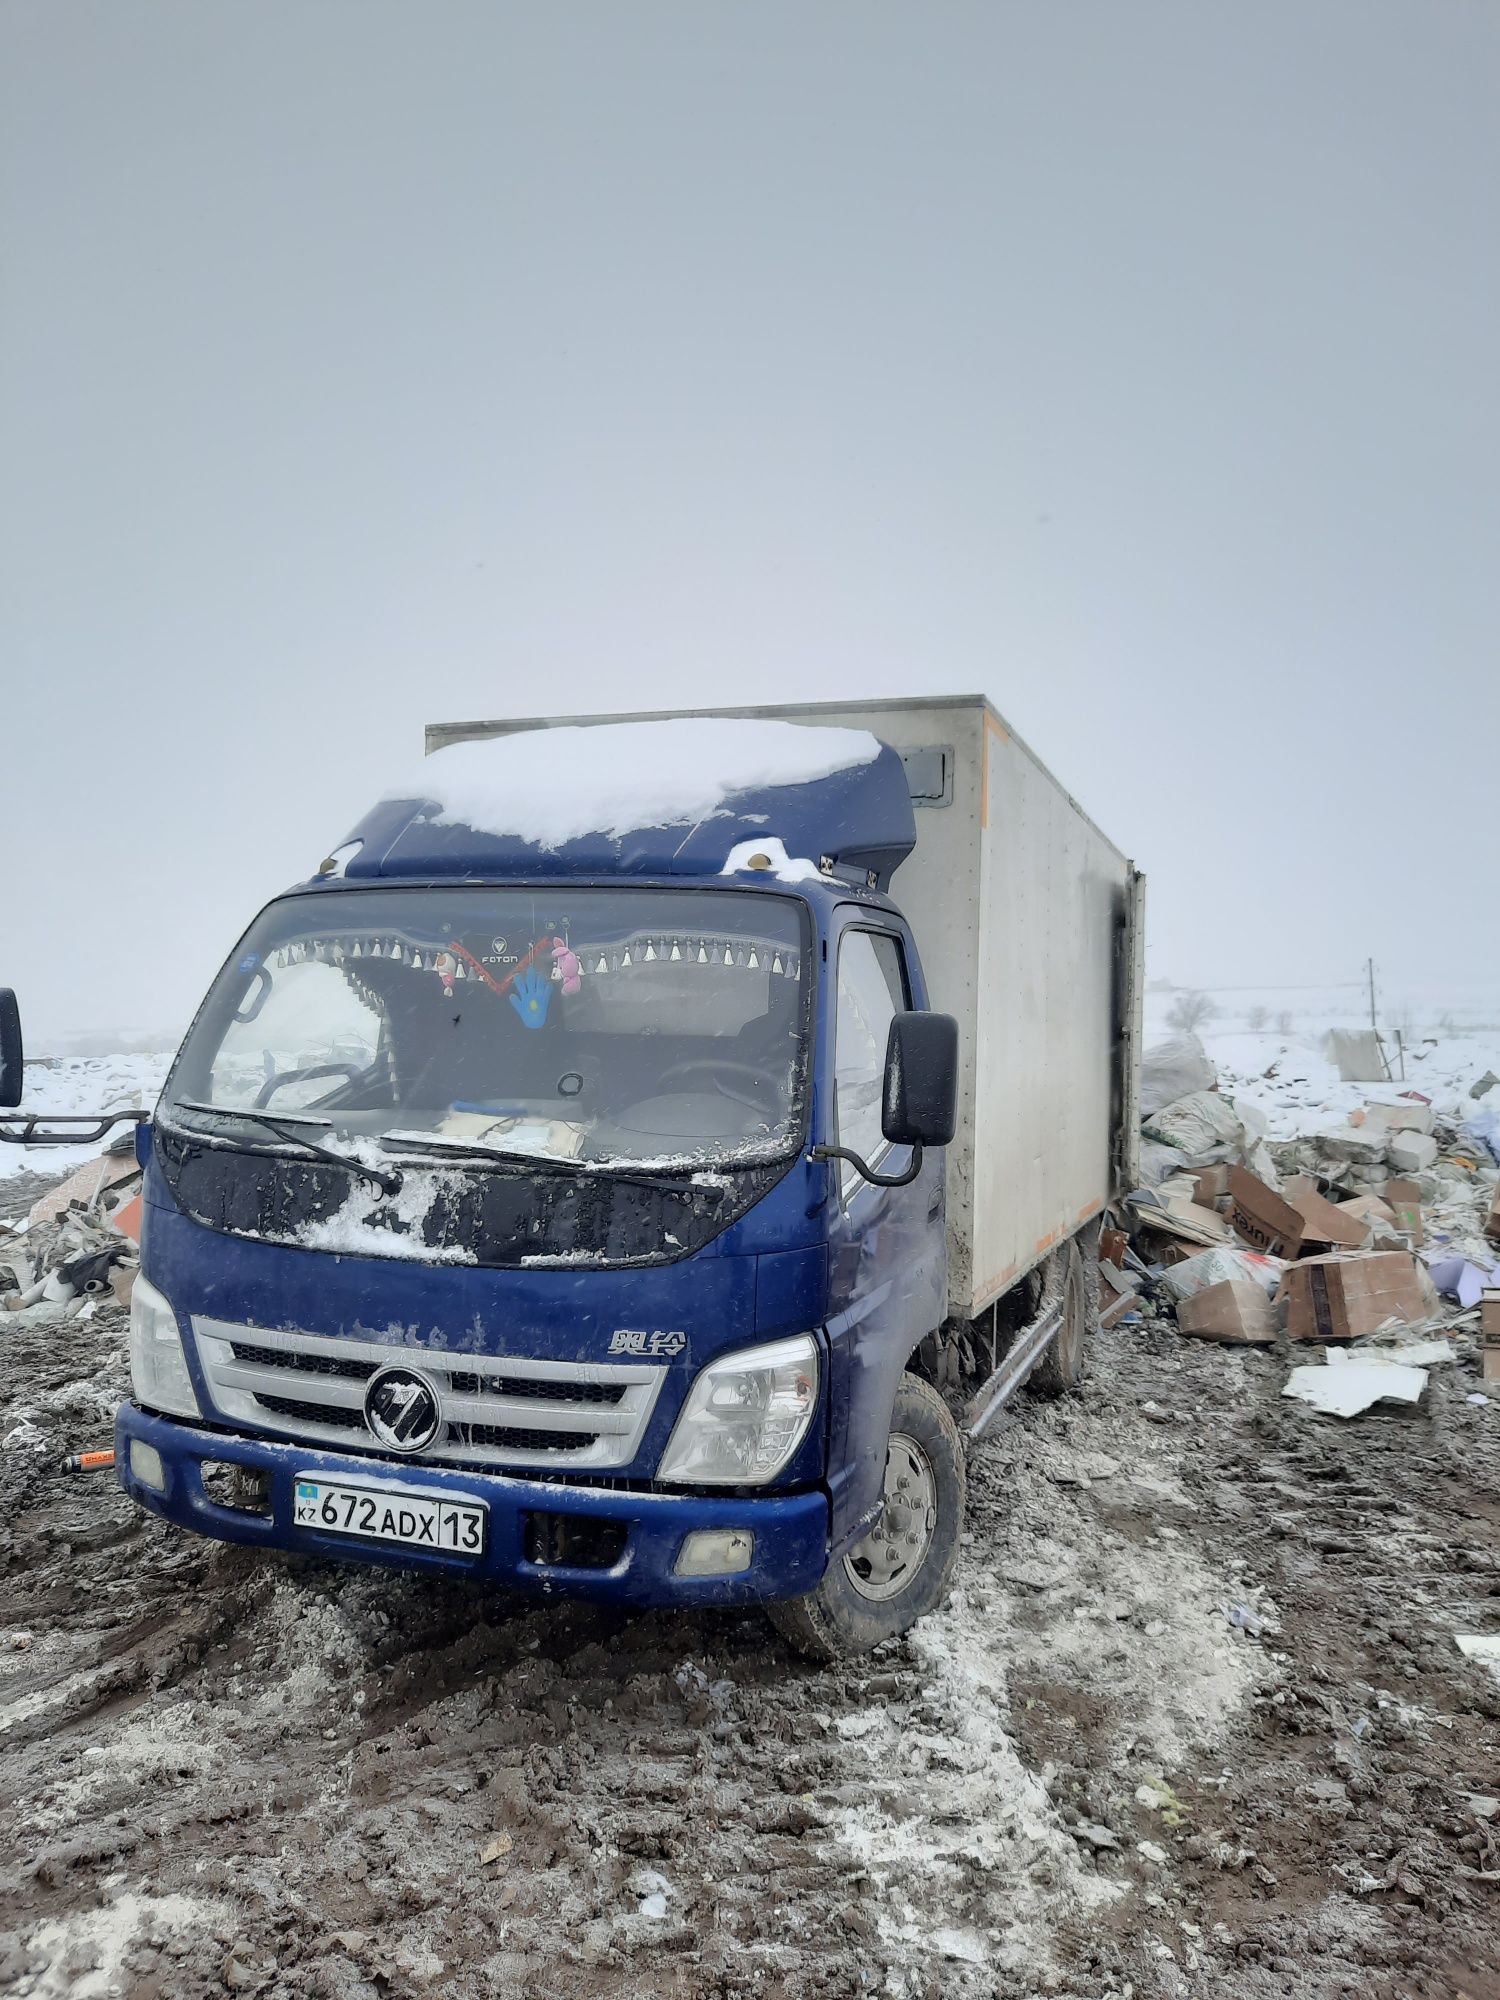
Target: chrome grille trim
608	1433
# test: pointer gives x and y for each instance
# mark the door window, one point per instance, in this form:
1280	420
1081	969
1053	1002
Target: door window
872	991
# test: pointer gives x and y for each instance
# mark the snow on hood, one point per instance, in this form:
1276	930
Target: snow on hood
556	785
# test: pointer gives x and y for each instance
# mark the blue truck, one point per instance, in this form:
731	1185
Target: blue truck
637	1161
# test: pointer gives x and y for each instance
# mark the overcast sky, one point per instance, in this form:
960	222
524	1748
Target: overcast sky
365	364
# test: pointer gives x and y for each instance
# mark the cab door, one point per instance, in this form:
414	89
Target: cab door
887	1246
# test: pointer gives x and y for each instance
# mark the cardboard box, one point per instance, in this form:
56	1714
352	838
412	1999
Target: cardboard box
1261	1216
1342	1297
1213	1185
1368	1208
1235	1310
1323	1224
1492	1223
1489	1316
1404	1199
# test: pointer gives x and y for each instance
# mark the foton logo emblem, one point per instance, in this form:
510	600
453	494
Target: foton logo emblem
650	1346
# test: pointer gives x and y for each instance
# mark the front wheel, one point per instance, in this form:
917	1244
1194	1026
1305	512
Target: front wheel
901	1570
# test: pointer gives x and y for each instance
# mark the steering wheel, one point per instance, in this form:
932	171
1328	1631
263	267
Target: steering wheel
716	1068
272	1083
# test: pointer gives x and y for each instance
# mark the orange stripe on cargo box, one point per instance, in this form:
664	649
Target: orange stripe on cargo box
1003	733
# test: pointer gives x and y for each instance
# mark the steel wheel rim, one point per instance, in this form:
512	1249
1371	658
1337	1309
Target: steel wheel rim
884	1563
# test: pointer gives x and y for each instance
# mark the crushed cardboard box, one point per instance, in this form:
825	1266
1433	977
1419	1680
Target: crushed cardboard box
1323	1223
1264	1219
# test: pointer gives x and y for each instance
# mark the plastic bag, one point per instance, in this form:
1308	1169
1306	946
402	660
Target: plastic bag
1483	1129
1205	1126
1217	1267
1171	1070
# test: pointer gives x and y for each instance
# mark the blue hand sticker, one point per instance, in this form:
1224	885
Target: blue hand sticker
529	997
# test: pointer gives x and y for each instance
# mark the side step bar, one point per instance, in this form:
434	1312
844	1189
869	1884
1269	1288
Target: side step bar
1026	1350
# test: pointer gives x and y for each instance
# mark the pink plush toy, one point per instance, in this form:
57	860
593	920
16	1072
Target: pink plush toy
567	964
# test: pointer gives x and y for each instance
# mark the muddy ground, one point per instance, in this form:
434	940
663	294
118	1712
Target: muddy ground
273	1777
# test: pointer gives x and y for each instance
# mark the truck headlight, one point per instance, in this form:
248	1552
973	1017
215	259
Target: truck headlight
158	1366
745	1415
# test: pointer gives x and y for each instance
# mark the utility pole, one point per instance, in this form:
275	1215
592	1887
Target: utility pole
1370	968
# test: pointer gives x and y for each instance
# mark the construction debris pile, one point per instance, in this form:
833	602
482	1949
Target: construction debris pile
1378	1235
79	1243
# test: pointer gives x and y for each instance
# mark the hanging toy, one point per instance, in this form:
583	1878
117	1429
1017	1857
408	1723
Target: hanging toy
565	964
446	966
529	996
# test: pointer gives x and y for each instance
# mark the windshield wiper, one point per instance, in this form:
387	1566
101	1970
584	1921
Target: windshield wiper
276	1122
545	1163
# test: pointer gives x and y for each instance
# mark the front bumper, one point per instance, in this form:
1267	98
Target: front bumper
790	1530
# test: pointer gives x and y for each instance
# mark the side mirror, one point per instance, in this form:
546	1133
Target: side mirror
12	1056
920	1106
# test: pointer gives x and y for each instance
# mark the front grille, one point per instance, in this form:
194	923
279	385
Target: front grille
311	1364
578	1417
503	1438
312	1413
541	1392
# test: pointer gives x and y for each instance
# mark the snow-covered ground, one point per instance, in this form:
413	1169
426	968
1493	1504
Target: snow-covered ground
1292	1081
79	1084
1269	1047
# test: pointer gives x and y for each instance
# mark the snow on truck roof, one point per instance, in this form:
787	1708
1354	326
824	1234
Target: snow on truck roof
616	777
683	795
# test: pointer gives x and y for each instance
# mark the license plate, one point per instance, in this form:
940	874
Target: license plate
390	1514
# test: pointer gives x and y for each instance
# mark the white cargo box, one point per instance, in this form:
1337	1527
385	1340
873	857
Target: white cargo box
1030	926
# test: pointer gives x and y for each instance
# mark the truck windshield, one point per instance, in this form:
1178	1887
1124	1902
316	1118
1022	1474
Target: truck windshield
657	1027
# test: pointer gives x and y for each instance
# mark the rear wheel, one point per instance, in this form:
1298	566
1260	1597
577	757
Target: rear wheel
901	1569
1069	1271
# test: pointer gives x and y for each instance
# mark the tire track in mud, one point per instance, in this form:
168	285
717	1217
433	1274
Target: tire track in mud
284	1778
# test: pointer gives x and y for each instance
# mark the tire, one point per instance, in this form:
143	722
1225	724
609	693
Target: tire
1069	1269
869	1595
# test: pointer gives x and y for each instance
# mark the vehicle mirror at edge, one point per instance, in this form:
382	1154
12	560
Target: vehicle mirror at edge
920	1106
12	1057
